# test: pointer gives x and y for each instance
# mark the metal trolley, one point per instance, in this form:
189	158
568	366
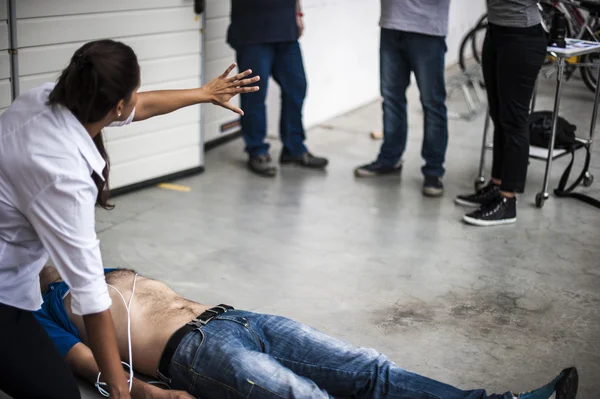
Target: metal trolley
575	48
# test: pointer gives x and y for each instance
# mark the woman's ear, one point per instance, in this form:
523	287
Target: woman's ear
119	108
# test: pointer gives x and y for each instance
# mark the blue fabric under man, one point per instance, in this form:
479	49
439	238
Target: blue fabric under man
413	39
264	34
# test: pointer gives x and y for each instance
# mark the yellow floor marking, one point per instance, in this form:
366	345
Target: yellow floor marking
175	187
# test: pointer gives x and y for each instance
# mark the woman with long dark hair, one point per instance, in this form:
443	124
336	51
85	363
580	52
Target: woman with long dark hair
513	53
53	171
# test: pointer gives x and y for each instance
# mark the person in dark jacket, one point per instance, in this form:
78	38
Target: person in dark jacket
264	34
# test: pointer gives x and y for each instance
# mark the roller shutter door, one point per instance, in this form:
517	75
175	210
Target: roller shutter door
165	34
218	56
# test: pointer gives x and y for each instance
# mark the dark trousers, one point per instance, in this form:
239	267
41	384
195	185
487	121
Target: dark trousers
30	364
283	61
512	59
400	54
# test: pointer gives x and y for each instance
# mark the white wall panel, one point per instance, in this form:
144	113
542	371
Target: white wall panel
5	93
218	50
3	9
149	144
63	29
54	58
155	166
217	8
217	28
3	35
4	65
46	8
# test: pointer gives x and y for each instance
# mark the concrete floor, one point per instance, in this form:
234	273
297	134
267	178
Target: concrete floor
374	263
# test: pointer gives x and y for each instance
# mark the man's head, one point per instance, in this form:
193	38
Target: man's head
48	275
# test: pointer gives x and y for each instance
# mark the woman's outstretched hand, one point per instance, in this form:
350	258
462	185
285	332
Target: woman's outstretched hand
223	88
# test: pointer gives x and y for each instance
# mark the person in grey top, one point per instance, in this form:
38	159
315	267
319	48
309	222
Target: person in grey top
514	13
413	39
513	53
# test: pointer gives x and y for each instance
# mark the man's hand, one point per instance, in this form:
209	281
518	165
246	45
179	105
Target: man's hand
300	23
224	88
299	20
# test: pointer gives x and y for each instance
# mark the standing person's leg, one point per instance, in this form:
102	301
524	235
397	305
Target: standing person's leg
427	56
395	79
30	363
259	58
516	82
288	72
490	192
521	53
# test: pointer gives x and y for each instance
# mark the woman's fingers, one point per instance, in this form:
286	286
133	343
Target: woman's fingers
232	108
238	90
228	71
246	82
239	76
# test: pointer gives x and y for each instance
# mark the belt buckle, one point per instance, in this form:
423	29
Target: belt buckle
199	323
163	378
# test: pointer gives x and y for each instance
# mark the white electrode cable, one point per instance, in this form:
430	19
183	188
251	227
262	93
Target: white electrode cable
99	384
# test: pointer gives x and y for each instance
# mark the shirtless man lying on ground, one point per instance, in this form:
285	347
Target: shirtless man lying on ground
225	353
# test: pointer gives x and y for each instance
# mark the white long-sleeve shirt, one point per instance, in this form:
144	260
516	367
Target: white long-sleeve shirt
47	204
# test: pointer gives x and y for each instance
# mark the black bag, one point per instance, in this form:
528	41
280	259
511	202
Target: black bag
540	131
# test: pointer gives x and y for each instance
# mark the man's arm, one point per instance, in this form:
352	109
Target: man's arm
81	361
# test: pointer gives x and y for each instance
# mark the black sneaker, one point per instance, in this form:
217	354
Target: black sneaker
306	160
433	187
482	197
501	211
377	169
262	165
564	386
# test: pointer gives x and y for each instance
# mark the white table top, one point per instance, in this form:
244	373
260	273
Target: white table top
575	47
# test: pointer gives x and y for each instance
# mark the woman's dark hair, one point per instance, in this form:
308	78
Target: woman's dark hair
100	74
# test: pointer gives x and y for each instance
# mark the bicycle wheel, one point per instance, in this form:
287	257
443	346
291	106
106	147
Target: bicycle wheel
470	46
589	74
477	42
482	20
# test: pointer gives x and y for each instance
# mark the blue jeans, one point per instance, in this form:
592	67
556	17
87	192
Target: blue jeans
400	54
246	355
283	61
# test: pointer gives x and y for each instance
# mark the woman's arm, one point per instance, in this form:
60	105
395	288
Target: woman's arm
218	91
103	343
82	362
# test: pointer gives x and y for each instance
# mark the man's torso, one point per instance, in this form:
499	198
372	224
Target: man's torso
428	17
262	21
156	313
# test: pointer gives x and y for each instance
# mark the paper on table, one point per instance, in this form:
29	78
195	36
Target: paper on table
576	47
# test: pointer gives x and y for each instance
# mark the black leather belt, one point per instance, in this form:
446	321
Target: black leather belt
173	342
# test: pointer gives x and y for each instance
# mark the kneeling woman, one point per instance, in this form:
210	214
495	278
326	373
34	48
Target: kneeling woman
53	172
